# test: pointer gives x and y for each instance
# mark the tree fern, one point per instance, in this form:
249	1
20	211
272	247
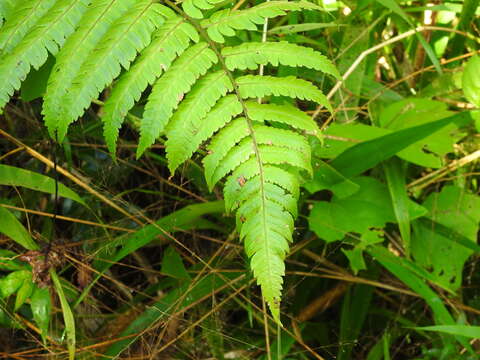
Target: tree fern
199	94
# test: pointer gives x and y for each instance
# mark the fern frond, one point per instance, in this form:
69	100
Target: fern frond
219	116
193	7
252	54
288	181
286	114
236	131
95	24
225	22
47	35
186	122
169	90
168	42
273	146
130	34
24	16
266	232
255	86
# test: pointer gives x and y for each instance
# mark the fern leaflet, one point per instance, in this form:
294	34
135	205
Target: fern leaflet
46	36
251	55
168	42
193	7
225	22
118	48
24	17
93	27
170	89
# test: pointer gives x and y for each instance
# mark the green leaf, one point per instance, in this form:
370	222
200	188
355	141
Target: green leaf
172	265
36	82
67	315
22	18
47	35
9	262
13	281
169	90
24	292
471	80
400	268
13	176
454	209
255	86
193	7
366	155
225	22
41	306
250	55
168	42
397	188
468	331
15	230
369	207
186	122
94	26
404	114
128	35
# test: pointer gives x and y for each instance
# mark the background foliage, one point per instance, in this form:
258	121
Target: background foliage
137	257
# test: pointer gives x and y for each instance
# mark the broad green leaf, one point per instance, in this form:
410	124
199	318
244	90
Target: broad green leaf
68	318
36	82
41	306
10	226
458	210
404	114
366	155
471	80
13	176
327	177
355	256
369	207
13	281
